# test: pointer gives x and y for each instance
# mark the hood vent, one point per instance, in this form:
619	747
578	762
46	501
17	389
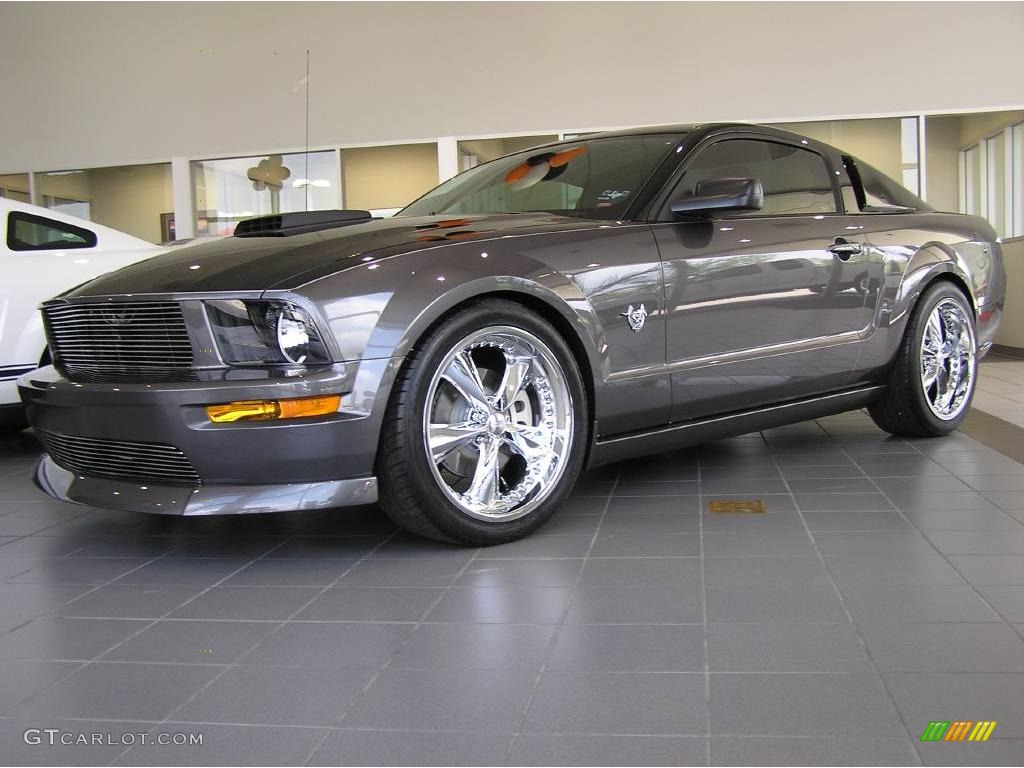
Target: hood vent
284	224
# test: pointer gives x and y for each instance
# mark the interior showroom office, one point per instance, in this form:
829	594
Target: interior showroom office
804	588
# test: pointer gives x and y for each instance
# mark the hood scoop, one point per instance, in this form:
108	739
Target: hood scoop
285	224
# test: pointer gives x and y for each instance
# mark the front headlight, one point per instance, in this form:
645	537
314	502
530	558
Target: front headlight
265	333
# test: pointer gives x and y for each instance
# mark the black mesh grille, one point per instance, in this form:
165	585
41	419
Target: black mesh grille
123	341
120	459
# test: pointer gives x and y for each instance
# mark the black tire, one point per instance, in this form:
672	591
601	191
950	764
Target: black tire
904	409
410	493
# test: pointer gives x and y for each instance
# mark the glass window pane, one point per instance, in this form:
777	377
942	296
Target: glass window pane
794	180
995	179
589	178
972	181
131	198
1018	181
908	140
15	187
476	151
28	232
890	144
227	191
910	180
65	191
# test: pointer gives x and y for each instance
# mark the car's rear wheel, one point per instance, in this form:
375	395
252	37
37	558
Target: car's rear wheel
933	378
486	428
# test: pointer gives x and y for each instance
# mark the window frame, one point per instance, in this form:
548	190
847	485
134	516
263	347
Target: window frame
15	245
662	207
1012	181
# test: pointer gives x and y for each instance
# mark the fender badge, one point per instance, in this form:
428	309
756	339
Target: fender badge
636	317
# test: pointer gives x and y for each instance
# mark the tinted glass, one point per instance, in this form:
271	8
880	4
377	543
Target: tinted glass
26	232
882	192
595	178
795	180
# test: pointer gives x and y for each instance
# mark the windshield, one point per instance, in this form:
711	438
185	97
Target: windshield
595	178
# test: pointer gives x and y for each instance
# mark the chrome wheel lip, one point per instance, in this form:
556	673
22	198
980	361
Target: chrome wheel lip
948	359
488	426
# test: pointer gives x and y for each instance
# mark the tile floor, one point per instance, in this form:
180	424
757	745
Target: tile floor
883	589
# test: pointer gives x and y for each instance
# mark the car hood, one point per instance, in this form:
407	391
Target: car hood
263	263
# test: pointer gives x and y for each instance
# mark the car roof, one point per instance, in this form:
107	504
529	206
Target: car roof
710	128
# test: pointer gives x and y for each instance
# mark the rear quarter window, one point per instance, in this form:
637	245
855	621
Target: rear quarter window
27	232
876	190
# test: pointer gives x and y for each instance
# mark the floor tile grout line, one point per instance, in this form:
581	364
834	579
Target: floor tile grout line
856	627
397	650
924	534
182	605
549	651
83	664
387	664
943	555
235	661
40	532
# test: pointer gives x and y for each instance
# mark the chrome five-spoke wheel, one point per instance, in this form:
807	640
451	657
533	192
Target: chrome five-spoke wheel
932	378
498	423
948	350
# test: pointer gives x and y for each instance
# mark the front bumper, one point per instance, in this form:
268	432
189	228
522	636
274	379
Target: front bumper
244	467
205	500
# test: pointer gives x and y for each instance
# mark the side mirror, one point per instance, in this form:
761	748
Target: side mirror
715	195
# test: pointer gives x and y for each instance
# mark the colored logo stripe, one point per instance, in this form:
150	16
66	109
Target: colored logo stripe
958	730
982	730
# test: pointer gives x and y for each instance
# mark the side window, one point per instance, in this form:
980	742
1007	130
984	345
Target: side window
27	232
879	191
795	180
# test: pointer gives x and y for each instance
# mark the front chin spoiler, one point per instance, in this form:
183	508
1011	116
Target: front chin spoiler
186	501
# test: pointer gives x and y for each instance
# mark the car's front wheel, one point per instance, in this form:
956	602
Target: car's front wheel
486	428
933	378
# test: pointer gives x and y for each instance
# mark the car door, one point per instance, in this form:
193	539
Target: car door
762	306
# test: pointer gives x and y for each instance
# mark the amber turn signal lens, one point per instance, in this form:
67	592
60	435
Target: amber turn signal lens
266	410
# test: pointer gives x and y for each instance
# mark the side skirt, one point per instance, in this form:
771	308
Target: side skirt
620	447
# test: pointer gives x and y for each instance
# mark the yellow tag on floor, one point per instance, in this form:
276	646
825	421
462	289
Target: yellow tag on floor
742	506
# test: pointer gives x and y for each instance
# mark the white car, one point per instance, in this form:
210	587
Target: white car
44	253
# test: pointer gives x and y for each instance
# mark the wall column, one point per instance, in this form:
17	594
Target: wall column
184	206
447	158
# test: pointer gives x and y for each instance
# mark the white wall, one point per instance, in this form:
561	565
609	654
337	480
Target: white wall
96	84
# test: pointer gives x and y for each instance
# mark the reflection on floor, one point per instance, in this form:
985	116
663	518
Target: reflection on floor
883	589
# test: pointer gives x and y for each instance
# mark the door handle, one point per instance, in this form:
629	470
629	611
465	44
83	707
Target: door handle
843	249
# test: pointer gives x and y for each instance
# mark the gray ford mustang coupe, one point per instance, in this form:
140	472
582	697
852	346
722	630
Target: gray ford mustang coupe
559	308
